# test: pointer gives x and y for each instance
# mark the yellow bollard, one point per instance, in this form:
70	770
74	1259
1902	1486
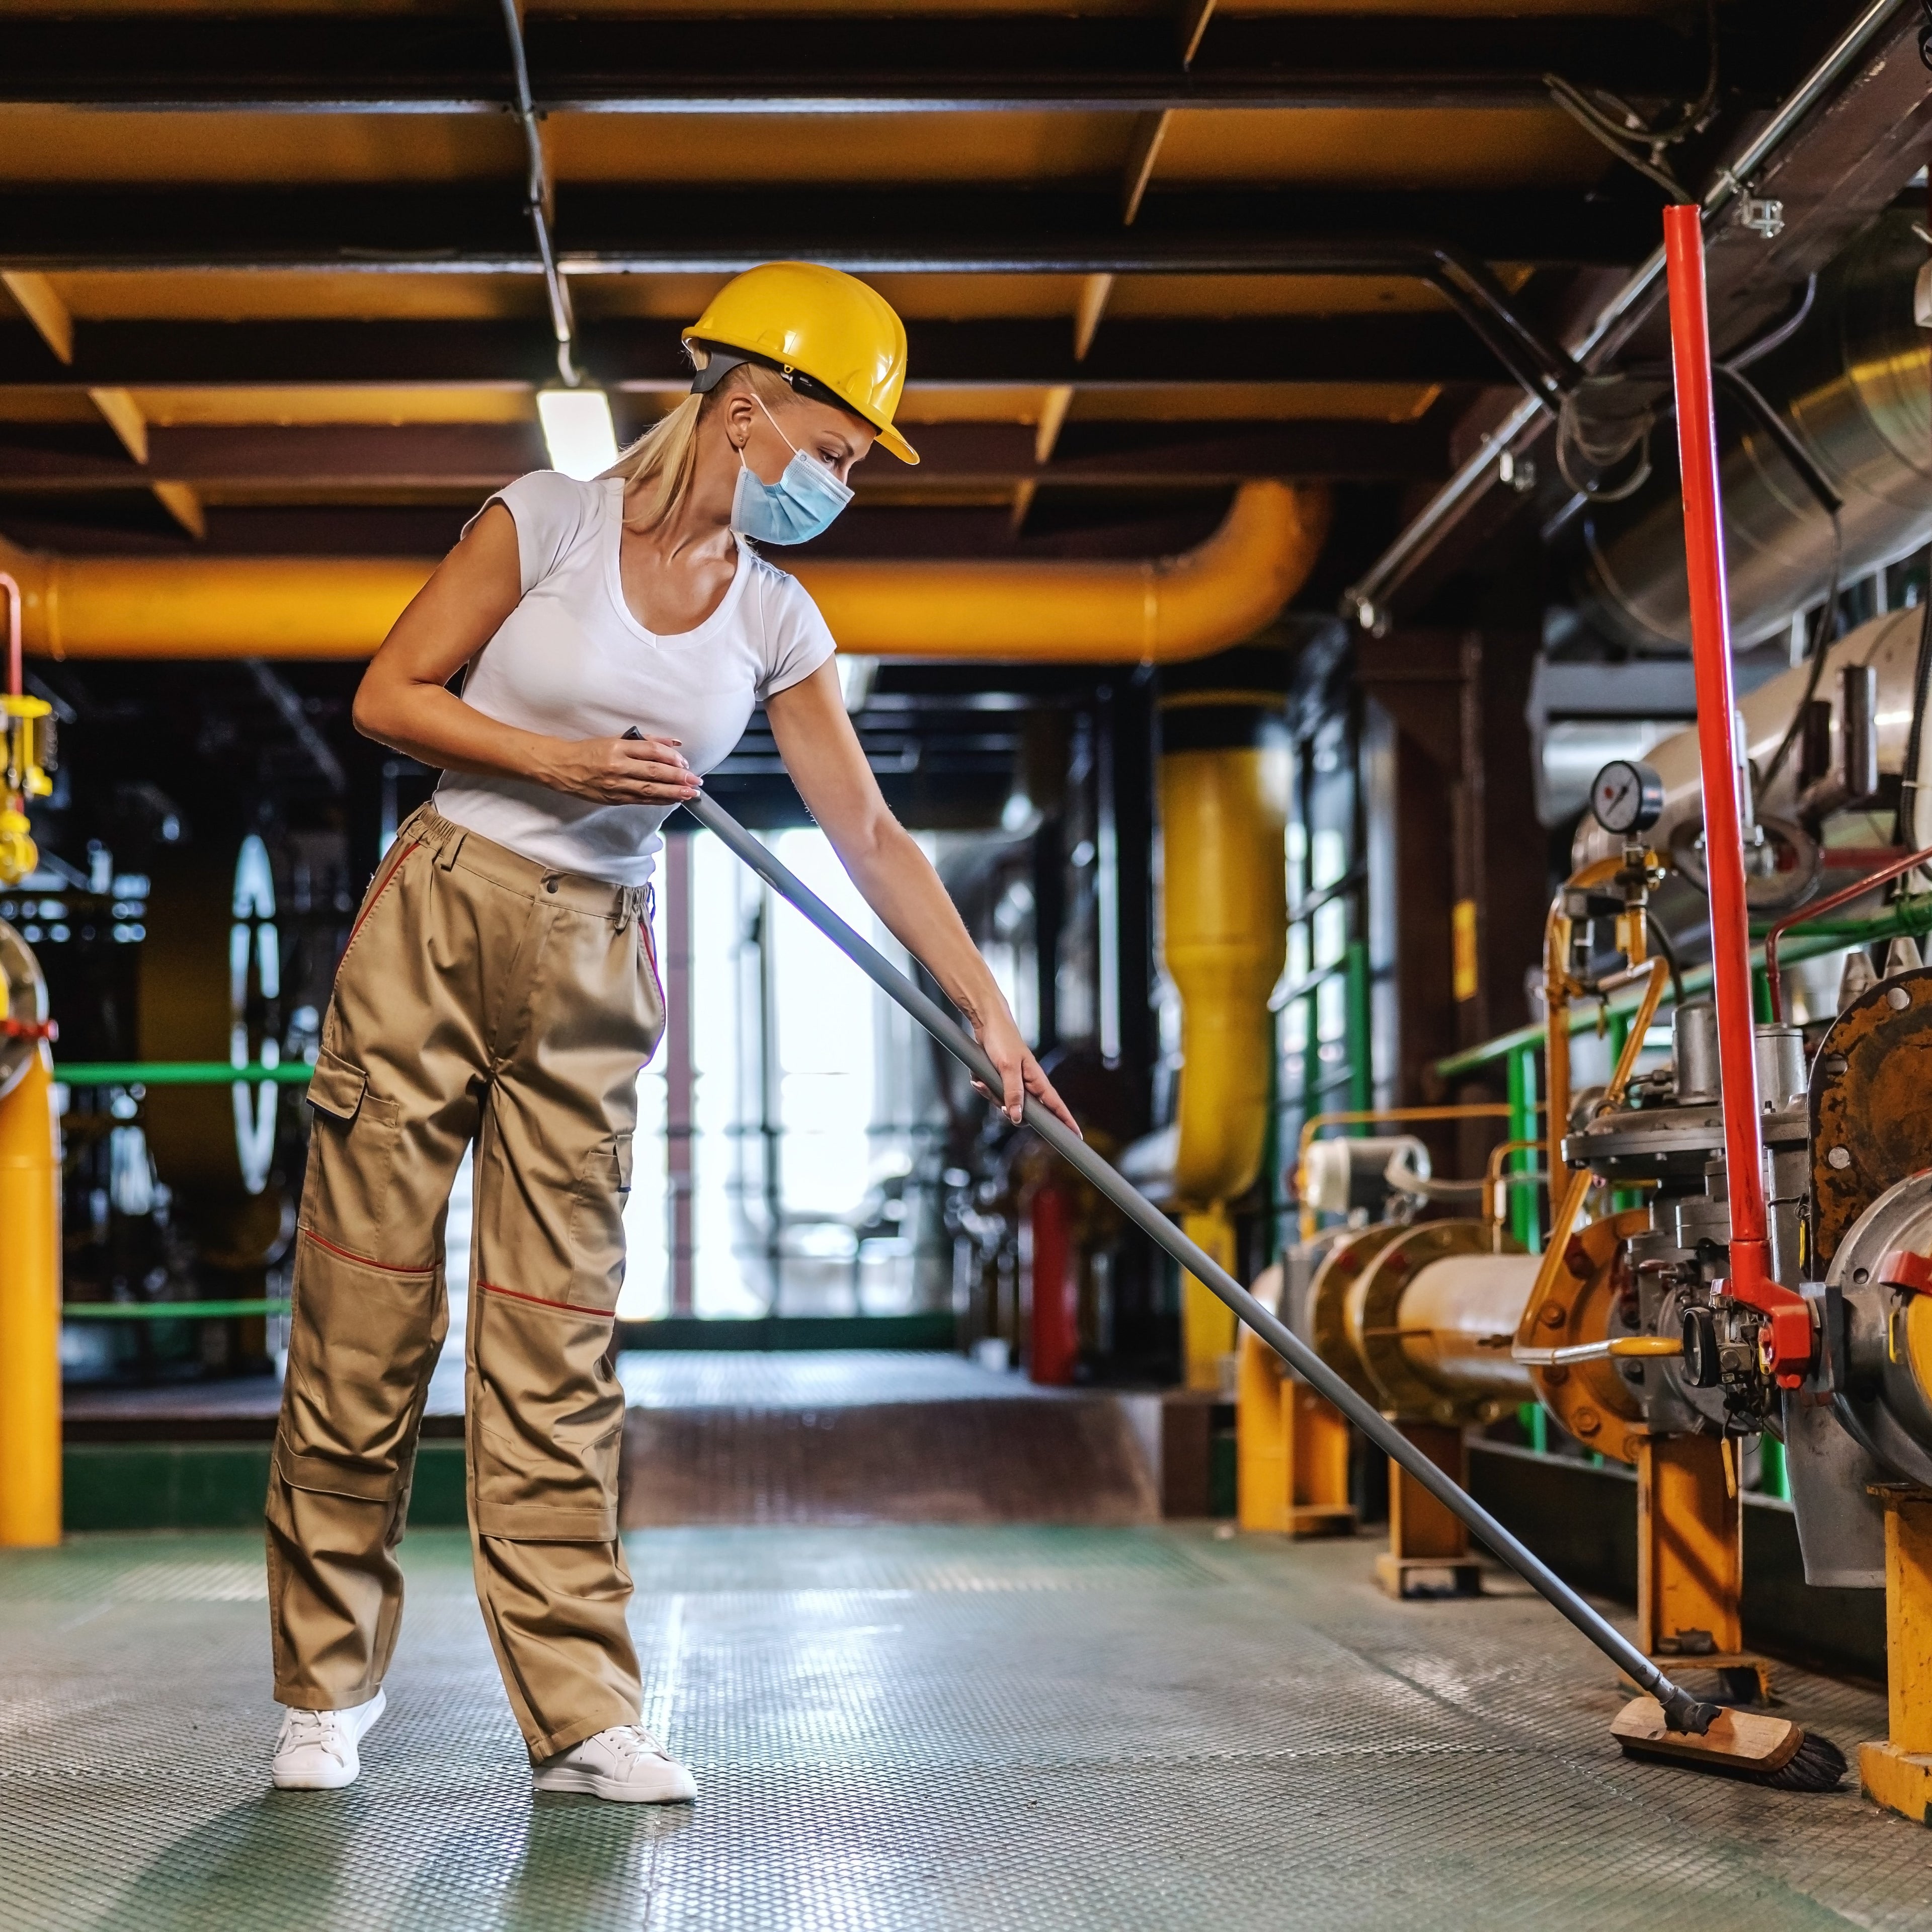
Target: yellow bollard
1898	1772
30	1389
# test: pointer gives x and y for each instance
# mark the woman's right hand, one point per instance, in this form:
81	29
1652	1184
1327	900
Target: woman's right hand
620	771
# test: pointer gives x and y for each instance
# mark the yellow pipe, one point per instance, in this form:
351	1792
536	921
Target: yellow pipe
1496	1185
1160	611
1224	821
30	1390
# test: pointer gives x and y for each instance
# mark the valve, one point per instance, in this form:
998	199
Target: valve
1703	1367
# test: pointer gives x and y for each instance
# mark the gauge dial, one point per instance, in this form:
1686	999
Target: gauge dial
1627	797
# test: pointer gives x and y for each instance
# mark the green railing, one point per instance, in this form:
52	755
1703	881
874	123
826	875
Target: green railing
179	1073
166	1311
1912	919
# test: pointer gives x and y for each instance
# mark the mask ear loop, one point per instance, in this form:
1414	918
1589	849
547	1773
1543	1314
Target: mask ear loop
782	437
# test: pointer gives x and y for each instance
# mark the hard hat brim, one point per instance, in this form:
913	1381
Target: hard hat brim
890	439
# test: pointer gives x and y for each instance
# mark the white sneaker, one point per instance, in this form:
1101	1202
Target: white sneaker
316	1749
624	1762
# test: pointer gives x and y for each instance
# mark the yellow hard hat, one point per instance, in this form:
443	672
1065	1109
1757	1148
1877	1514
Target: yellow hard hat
805	319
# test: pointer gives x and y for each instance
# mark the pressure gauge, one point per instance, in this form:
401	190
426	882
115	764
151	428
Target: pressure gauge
1627	797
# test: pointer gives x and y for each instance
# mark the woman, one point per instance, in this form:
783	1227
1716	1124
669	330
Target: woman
498	987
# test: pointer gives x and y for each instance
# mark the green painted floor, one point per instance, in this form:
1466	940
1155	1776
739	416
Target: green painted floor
1003	1728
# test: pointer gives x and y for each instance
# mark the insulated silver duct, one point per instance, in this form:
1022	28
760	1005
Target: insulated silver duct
1857	381
1887	647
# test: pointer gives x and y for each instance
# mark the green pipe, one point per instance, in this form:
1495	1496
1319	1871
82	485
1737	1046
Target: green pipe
1360	1026
1583	1014
1525	1217
166	1311
179	1073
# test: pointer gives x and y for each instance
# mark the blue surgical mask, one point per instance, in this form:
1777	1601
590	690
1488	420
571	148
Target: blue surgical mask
796	508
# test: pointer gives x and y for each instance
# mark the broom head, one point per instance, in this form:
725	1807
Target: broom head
1739	1743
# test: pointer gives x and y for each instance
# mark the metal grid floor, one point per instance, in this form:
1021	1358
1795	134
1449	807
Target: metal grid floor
1006	1728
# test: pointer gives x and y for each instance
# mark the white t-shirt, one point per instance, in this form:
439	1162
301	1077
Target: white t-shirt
571	661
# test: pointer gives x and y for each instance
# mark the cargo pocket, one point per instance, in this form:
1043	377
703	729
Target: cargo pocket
352	1151
597	1204
362	1347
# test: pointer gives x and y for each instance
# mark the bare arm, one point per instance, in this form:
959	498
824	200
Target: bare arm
822	752
404	701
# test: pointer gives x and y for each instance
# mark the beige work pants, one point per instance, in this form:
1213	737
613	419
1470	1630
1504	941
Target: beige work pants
481	998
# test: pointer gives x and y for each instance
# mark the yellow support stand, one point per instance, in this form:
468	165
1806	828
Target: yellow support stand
1292	1451
1898	1774
1429	1544
30	1390
1690	1558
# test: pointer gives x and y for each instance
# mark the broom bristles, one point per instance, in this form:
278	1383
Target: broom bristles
1819	1766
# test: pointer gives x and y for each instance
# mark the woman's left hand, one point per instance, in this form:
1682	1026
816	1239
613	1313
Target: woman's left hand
1019	1072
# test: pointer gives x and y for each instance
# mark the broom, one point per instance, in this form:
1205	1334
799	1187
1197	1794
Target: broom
1667	1722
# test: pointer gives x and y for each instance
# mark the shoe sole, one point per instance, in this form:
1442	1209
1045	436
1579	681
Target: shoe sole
337	1780
323	1782
569	1778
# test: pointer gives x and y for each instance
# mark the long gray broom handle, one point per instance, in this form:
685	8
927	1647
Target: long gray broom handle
1685	1712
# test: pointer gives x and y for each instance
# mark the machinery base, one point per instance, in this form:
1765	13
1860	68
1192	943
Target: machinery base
1307	1519
1898	1780
1403	1576
1747	1677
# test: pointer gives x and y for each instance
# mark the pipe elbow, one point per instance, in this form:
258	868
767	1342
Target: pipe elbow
1154	611
1226	589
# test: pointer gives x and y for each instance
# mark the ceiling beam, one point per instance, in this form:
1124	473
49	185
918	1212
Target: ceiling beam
482	230
336	460
1401	347
803	63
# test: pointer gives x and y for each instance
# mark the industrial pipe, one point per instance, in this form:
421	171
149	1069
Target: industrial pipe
1454	1319
1750	1280
1156	610
1888	645
1224	820
30	1259
1368	600
1854	382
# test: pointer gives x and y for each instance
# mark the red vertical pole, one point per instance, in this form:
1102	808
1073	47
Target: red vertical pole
1054	1337
1750	1277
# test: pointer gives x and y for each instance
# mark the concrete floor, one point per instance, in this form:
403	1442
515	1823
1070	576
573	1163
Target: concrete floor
893	1727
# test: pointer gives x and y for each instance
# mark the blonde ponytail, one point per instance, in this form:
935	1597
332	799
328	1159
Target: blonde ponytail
666	455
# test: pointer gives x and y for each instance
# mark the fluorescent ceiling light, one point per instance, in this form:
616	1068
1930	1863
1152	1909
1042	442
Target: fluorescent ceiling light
577	430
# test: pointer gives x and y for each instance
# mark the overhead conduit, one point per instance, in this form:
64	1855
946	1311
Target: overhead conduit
1160	611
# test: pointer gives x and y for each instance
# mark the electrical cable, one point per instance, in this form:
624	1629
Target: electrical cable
1575	104
1821	641
1661	940
1638	146
1603	436
537	190
1779	333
